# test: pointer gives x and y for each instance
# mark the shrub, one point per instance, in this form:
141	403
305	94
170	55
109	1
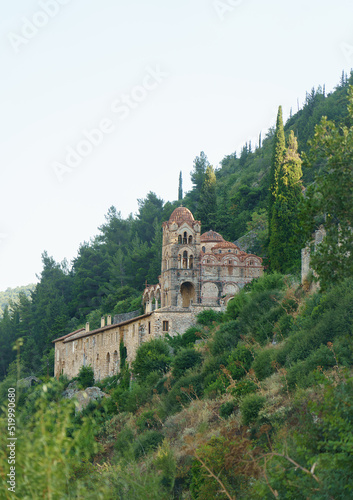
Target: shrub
250	407
149	440
187	339
85	377
243	387
263	364
227	409
226	338
187	358
148	420
239	362
209	316
152	356
124	443
183	392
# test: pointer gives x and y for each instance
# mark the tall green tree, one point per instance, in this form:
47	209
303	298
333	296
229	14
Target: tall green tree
198	174
285	243
279	146
331	197
208	202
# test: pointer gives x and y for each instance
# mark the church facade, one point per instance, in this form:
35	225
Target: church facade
198	272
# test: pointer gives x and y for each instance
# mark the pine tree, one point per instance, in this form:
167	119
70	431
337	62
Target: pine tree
180	190
208	203
285	242
277	159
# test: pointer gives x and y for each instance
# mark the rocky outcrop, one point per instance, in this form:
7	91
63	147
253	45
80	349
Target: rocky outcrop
83	397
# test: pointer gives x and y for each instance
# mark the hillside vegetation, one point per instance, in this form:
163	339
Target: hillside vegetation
10	296
253	403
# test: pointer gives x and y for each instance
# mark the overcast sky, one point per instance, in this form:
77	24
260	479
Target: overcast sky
102	102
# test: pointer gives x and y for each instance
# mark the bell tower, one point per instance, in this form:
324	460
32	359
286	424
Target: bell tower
180	276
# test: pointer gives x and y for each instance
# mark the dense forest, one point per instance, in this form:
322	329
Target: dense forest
251	403
10	295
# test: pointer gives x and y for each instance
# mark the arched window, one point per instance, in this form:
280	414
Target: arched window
185	260
180	239
190	240
191	262
185	239
179	261
204	249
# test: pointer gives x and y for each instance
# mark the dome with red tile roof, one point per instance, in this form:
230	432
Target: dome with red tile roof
180	215
210	237
224	244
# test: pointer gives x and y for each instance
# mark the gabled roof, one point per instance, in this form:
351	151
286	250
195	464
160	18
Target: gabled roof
69	335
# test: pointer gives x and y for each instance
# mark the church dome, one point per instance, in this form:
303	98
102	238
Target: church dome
180	215
225	244
211	237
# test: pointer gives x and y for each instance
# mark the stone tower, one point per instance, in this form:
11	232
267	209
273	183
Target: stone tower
180	276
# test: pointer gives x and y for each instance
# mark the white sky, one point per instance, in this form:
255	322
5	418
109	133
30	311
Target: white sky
226	77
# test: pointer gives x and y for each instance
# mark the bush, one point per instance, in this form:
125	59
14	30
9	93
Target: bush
239	362
149	440
187	358
250	407
85	377
182	392
152	356
187	339
124	443
226	338
263	364
227	409
209	316
148	420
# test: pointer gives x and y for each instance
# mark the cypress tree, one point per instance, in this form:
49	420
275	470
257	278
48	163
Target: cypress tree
277	159
180	190
285	243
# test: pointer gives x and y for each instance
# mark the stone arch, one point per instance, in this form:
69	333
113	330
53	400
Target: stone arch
190	240
191	261
185	260
230	289
210	293
188	293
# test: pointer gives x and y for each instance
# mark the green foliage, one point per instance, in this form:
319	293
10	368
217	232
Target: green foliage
85	377
250	407
186	339
148	420
285	243
276	163
185	359
207	207
148	441
151	356
331	195
225	338
263	364
227	409
48	449
209	316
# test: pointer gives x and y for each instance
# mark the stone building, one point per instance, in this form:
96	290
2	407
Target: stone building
198	271
317	238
